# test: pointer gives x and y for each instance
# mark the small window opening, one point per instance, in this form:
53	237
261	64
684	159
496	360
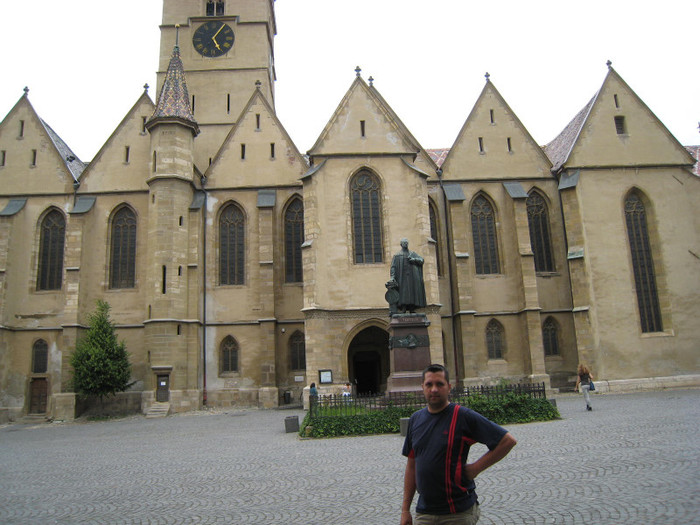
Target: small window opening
617	102
143	124
154	162
193	104
510	148
3	156
620	125
153	199
149	313
210	161
210	8
242	151
228	103
164	276
491	116
33	157
257	121
272	150
362	128
21	128
178	330
180	220
219	8
481	144
179	271
126	153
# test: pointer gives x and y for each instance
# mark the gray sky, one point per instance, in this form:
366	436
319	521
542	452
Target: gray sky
85	65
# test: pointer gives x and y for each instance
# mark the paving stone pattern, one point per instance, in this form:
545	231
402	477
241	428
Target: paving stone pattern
633	460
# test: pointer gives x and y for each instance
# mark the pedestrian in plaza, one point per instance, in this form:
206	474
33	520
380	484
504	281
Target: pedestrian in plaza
436	446
313	391
584	380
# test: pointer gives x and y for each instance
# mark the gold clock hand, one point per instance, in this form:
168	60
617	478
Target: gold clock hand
213	39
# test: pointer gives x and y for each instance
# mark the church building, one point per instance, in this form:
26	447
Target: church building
239	270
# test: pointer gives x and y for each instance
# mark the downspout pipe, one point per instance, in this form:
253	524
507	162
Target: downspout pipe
453	292
204	295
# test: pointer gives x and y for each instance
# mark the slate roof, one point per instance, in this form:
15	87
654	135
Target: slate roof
558	150
438	155
695	152
73	163
174	99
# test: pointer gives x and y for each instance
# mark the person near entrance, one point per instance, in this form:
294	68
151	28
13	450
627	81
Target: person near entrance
436	447
406	274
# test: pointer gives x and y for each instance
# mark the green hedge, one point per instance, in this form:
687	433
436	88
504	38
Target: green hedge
511	408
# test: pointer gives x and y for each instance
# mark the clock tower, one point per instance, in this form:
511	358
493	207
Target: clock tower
226	46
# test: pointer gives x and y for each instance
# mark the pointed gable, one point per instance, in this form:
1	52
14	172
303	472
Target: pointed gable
122	162
616	129
38	160
364	123
493	143
258	151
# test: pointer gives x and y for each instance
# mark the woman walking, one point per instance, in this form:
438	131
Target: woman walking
583	382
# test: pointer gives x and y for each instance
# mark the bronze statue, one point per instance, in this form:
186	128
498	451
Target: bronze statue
406	289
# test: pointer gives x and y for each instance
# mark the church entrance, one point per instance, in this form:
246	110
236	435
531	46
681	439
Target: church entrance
368	361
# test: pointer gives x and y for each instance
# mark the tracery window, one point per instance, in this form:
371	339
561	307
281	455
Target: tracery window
484	235
540	240
40	357
642	264
215	8
366	218
123	256
231	245
51	246
297	351
228	355
435	234
293	239
550	337
495	339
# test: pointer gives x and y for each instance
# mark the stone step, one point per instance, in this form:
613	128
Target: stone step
158	410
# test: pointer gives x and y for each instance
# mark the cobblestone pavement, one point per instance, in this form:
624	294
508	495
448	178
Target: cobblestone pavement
634	460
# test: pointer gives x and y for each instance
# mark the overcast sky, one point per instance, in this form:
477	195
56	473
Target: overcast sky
85	65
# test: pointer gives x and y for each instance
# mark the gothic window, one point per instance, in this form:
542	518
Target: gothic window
297	351
435	234
484	234
495	339
550	337
228	355
540	240
231	245
219	8
366	218
51	245
40	357
123	257
293	239
642	264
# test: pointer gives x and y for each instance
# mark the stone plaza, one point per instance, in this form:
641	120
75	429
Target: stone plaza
635	459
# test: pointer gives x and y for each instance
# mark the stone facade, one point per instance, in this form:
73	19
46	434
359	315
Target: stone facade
209	157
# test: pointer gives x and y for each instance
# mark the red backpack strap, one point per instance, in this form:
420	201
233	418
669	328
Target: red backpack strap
448	458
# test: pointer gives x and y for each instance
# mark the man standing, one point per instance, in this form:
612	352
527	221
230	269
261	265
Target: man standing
407	273
437	444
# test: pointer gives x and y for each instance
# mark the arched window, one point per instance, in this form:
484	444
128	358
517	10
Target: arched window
642	264
231	245
366	218
122	266
484	234
53	233
495	339
540	240
435	234
228	355
297	351
293	239
40	357
550	337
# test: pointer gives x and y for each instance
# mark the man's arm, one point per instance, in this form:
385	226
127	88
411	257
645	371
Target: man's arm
500	451
409	490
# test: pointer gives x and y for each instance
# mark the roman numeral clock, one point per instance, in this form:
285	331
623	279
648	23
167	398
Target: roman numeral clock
213	39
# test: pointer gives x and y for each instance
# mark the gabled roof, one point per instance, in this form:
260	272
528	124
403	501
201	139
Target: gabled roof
73	163
559	149
695	152
174	100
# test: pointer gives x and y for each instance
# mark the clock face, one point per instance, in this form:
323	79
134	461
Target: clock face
213	39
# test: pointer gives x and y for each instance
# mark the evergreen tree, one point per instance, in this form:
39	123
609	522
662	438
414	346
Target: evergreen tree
100	363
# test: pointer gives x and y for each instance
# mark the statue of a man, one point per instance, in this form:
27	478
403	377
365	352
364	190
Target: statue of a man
407	276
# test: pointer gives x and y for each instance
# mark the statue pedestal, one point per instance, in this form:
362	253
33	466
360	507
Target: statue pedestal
410	352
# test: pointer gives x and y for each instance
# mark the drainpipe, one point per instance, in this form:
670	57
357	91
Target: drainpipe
453	298
204	296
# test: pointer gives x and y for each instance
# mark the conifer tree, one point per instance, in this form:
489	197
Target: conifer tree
100	362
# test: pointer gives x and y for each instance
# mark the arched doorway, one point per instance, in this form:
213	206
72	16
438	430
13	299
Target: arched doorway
368	361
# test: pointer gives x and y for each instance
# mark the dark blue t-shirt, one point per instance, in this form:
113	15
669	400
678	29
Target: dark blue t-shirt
440	445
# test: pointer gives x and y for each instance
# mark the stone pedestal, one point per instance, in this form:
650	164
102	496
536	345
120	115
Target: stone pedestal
410	351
